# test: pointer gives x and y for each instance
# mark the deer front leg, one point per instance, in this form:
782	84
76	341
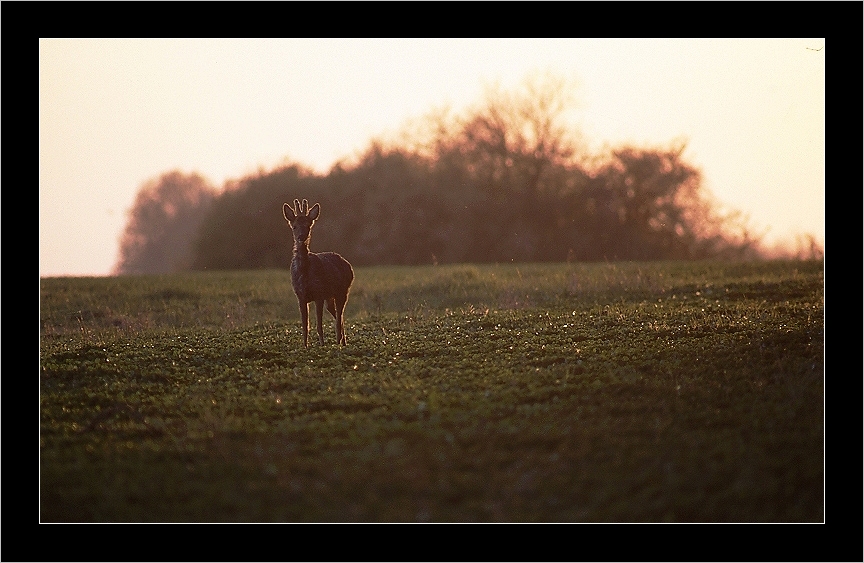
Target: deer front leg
304	322
319	311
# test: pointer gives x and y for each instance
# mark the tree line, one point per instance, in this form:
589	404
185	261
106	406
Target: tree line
506	180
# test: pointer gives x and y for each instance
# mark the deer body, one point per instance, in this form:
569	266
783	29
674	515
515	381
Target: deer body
322	278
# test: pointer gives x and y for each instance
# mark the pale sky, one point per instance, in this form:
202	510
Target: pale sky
114	114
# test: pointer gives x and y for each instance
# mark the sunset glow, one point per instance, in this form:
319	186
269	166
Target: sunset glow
114	114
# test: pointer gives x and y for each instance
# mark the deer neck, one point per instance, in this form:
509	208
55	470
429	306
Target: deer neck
301	250
300	270
300	260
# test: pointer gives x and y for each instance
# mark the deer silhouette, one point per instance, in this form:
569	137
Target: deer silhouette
322	277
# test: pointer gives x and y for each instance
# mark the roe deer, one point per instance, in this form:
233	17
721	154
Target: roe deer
322	277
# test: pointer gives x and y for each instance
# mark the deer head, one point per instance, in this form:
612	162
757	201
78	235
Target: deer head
301	218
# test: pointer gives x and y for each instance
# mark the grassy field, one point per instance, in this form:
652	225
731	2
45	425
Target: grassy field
630	392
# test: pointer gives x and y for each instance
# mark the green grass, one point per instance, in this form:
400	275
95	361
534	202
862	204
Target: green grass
643	392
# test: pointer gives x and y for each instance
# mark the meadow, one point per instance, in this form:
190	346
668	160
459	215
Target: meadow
623	392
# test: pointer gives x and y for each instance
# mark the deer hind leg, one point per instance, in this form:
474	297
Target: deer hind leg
304	322
340	320
319	312
334	309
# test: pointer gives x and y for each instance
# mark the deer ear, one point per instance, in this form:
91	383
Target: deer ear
313	213
288	212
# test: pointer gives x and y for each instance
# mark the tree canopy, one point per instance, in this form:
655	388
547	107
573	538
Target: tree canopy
163	223
504	181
